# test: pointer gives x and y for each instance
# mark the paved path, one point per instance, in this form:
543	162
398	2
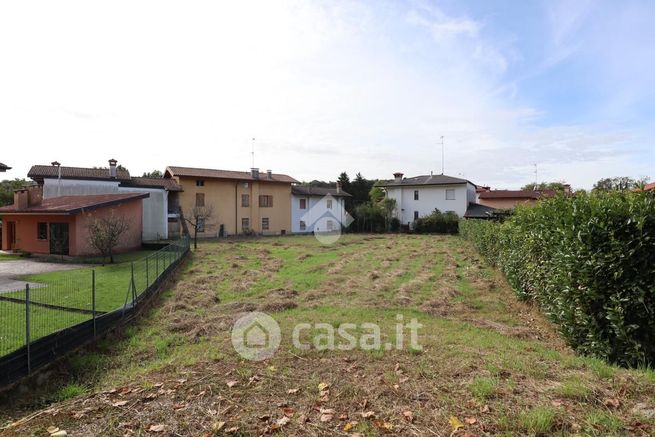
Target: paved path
10	270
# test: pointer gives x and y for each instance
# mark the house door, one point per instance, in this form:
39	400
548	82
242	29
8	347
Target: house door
11	235
59	238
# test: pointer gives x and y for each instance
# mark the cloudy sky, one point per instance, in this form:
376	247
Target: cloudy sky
326	87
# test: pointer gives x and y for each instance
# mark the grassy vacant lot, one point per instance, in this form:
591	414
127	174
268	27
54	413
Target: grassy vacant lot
489	364
73	289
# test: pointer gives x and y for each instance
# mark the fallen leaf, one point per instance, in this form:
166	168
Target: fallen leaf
232	430
60	433
382	424
484	409
556	403
282	421
613	403
117	404
156	428
217	426
293	391
343	417
455	423
52	429
368	414
288	411
409	416
326	417
470	420
232	383
323	386
348	426
302	419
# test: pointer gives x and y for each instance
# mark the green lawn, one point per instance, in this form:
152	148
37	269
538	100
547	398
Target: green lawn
9	256
73	289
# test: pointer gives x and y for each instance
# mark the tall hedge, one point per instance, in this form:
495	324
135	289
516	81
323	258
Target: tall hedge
589	263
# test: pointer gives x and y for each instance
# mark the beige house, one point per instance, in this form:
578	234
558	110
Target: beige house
241	202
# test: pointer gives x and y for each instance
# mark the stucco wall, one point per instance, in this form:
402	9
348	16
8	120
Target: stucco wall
224	196
431	197
316	208
131	211
27	228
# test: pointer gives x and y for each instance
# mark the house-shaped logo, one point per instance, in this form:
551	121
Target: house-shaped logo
326	219
256	336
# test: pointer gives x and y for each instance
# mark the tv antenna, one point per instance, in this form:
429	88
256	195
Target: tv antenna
253	153
442	156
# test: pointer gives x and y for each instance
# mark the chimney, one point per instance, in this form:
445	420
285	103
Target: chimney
21	198
398	177
254	173
112	168
338	186
567	188
269	174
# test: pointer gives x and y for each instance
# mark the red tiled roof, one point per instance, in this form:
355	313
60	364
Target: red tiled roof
39	172
516	194
166	183
226	174
649	187
74	204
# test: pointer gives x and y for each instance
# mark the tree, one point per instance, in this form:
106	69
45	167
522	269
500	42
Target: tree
345	186
621	183
106	233
153	174
389	207
199	216
7	188
555	186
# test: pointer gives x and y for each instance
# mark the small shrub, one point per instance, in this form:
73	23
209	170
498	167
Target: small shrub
437	222
70	391
483	388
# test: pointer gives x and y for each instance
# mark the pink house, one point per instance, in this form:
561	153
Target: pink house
59	225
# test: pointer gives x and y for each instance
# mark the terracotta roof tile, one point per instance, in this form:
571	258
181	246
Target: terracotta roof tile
226	174
516	194
166	183
74	204
39	172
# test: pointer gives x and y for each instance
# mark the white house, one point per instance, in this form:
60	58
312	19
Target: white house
314	207
419	196
157	208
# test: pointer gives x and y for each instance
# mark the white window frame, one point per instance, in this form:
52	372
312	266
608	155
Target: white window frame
450	191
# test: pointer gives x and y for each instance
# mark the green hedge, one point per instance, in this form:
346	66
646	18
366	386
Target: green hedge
589	262
437	222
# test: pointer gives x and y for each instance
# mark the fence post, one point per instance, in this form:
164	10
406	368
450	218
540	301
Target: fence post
133	286
27	328
93	300
157	258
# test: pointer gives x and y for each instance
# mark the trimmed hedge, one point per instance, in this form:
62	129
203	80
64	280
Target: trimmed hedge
589	263
437	222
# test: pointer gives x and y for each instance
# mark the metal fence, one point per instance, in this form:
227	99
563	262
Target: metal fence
62	310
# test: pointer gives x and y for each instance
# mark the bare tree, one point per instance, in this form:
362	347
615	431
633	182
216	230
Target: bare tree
106	233
198	220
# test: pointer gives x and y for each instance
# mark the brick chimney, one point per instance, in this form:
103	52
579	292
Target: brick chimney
398	177
254	172
338	186
567	189
269	174
28	196
112	168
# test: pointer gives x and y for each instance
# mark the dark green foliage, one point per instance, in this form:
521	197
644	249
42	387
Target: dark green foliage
437	223
7	188
589	262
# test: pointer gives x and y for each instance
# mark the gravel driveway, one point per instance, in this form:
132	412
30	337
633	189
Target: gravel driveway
10	270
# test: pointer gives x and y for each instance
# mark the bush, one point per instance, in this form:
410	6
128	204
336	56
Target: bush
437	222
589	262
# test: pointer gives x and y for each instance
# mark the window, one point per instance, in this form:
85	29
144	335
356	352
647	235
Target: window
245	225
200	199
265	201
42	231
415	194
303	203
245	200
303	225
450	194
329	203
330	225
201	224
415	215
200	183
264	223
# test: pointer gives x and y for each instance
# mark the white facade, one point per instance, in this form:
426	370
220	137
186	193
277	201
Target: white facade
448	197
155	207
315	208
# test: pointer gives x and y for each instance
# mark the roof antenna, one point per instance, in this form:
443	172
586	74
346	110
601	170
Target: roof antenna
253	153
442	156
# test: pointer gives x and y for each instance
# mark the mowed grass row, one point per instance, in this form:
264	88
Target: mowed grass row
73	289
483	356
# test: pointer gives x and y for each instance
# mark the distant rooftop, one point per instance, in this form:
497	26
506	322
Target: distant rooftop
437	179
4	167
304	190
40	172
516	194
209	173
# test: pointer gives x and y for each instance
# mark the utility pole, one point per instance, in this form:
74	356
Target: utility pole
442	156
